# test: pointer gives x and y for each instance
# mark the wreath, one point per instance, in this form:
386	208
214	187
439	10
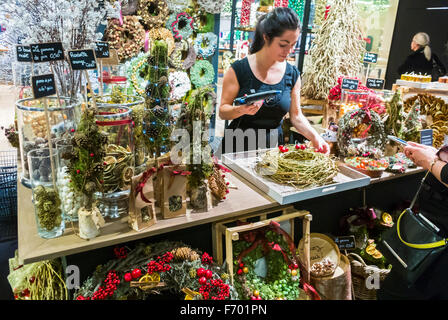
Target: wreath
277	278
202	73
135	68
181	25
211	6
177	5
205	44
203	22
128	39
165	35
180	84
153	12
182	49
361	133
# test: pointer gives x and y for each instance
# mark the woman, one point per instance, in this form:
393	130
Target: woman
433	203
266	69
422	60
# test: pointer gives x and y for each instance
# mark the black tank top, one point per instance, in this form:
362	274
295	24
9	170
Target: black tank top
271	113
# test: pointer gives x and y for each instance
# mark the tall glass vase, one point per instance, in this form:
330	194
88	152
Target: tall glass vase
43	166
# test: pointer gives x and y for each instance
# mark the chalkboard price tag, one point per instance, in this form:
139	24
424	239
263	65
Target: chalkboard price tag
102	50
370	57
82	59
426	137
23	53
345	242
350	84
376	84
46	52
43	85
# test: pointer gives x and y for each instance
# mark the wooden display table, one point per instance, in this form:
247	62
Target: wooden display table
411	91
243	200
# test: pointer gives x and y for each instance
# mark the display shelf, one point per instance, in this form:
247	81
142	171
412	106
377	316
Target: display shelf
242	200
386	176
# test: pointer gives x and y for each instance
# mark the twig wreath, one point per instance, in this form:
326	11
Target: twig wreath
153	12
361	132
202	73
205	44
176	59
211	6
180	84
181	25
128	39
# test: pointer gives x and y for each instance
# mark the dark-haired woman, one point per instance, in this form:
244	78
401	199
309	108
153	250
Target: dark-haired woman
266	68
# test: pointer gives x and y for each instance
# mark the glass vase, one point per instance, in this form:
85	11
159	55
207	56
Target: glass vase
116	123
47	203
71	200
32	126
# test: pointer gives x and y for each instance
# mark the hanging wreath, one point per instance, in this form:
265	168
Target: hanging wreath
182	49
361	133
203	21
165	35
205	44
134	68
211	6
202	73
177	5
153	12
180	84
128	39
181	25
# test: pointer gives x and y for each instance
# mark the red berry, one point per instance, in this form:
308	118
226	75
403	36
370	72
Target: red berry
259	298
26	292
78	171
127	277
285	150
280	146
297	146
296	266
73	130
241	265
253	298
32	279
91	155
240	271
200	272
208	274
136	273
303	147
202	280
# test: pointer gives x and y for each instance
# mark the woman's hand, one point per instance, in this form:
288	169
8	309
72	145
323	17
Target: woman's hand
422	156
320	145
250	109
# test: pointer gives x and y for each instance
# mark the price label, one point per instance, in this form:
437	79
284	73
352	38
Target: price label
43	85
46	52
370	57
102	50
345	242
376	84
350	84
426	137
23	53
82	59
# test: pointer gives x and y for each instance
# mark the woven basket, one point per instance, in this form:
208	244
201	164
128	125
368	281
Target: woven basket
360	272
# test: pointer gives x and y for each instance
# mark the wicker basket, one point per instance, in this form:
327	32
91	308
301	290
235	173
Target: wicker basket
360	272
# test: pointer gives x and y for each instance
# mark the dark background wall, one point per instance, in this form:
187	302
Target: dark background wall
413	17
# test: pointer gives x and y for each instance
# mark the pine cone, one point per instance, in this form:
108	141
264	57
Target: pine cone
217	184
194	256
158	111
182	253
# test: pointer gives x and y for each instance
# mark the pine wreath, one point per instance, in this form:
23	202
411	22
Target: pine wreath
361	133
202	73
205	44
181	25
128	39
153	12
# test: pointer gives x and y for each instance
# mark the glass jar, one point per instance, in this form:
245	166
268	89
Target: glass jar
71	200
352	100
46	200
115	121
32	125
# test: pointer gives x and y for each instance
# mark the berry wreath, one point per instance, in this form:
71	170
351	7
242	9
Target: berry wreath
153	12
205	44
361	133
202	73
181	24
176	60
128	39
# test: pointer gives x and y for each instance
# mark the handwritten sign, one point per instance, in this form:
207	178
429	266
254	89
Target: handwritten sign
350	84
426	137
23	53
43	85
102	50
370	57
46	52
82	59
376	84
345	242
